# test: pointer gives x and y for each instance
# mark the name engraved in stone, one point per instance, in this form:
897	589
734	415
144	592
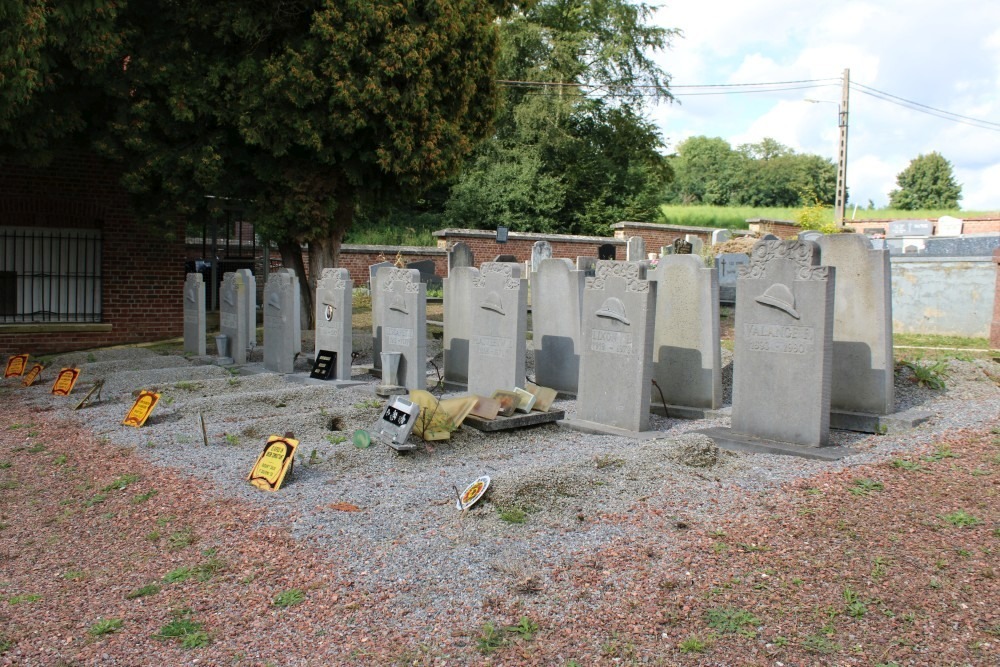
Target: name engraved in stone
611	342
228	321
332	326
779	338
190	316
397	336
493	346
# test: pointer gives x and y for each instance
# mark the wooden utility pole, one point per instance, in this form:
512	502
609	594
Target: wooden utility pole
840	201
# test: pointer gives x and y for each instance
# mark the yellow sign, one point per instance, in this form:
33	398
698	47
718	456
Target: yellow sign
141	409
65	381
32	375
273	463
15	366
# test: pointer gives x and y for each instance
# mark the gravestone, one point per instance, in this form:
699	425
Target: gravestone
460	255
666	250
949	226
251	309
863	364
232	316
729	263
376	298
687	357
297	309
899	228
615	368
194	314
697	245
587	264
556	303
334	309
404	323
606	251
783	344
721	236
428	272
769	237
540	251
459	313
281	319
810	235
497	351
506	259
635	249
682	247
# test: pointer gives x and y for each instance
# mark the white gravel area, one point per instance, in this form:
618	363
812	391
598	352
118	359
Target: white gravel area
407	532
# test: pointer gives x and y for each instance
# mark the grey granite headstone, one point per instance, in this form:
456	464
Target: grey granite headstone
606	251
460	255
587	264
506	259
251	309
497	350
296	309
697	245
729	263
459	313
862	325
635	249
910	228
687	358
615	368
194	314
232	316
556	311
540	251
376	313
948	225
404	322
810	235
280	322
783	344
769	237
962	246
334	309
721	236
682	247
428	272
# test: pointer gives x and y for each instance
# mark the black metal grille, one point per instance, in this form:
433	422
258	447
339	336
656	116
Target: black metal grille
50	275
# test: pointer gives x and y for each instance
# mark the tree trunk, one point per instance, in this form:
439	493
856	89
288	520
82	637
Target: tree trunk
291	258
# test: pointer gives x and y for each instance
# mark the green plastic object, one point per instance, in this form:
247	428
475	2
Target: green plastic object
362	439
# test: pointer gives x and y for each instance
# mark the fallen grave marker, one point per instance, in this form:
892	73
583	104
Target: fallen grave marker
274	463
32	375
15	366
65	381
397	420
141	409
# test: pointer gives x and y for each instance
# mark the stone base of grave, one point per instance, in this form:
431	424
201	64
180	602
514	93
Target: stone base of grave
726	438
224	361
453	385
313	382
514	421
386	390
371	370
687	412
863	422
585	426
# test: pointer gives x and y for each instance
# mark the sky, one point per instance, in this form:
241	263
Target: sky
943	54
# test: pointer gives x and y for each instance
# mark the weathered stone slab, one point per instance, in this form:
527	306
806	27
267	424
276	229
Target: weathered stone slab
334	311
194	314
615	364
863	364
297	309
280	321
866	422
404	322
232	315
540	251
250	292
635	249
428	272
687	357
459	314
497	348
376	298
556	314
459	256
515	421
783	345
729	264
721	236
730	440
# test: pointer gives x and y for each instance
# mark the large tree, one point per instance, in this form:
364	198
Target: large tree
299	108
928	182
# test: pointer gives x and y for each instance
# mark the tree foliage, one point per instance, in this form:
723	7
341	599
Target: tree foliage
928	182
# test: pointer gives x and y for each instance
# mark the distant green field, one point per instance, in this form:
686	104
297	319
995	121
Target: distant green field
735	217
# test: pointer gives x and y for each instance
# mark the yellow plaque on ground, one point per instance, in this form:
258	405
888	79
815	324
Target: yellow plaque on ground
32	375
544	396
273	464
15	366
143	405
65	381
439	418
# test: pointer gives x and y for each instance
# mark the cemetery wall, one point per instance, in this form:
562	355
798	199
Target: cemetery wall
142	272
656	235
519	244
969	225
943	295
357	258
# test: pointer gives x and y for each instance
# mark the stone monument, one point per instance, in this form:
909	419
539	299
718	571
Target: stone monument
194	314
250	283
540	251
376	298
232	317
281	319
459	313
497	350
404	323
557	302
334	310
635	249
460	255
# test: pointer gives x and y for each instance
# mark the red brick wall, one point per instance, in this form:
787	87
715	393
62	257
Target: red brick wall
485	248
142	272
995	324
969	225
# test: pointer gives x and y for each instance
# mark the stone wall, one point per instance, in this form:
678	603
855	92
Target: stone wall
943	295
519	244
142	271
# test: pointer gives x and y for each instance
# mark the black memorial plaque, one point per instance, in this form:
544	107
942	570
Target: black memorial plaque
323	367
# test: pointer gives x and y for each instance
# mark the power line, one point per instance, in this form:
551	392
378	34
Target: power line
923	108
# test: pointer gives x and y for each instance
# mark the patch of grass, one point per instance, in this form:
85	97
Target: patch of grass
5	644
336	438
940	453
931	375
5	464
694	644
912	466
608	461
490	638
937	340
962	519
729	619
148	589
26	597
96	499
60	460
36	448
821	644
178	575
513	514
208	569
105	626
368	404
185	630
181	538
73	575
526	628
856	608
879	567
121	483
232	439
288	598
188	386
140	498
864	487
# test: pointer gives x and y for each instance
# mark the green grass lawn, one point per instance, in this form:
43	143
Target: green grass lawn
735	217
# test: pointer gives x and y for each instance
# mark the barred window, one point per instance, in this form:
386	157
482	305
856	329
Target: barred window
50	275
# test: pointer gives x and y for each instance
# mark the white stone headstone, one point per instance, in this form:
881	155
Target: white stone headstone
232	316
459	314
334	311
194	314
376	298
721	236
280	322
404	322
949	226
556	312
250	312
498	349
540	251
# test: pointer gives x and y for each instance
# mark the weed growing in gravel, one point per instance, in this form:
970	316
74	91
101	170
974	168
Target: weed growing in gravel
335	439
232	439
164	520
912	466
694	644
618	648
525	628
962	519
188	386
729	619
9	485
59	460
5	644
879	567
27	597
208	569
820	643
856	608
121	483
864	487
96	499
184	630
180	539
178	575
931	376
37	448
940	453
148	589
490	638
73	575
105	626
513	514
608	461
5	464
140	498
288	598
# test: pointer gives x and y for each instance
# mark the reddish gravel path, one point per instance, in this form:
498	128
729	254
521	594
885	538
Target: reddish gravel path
862	566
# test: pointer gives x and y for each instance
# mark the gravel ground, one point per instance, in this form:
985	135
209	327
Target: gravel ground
388	520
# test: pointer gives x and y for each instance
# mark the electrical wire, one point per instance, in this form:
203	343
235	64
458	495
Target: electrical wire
923	108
